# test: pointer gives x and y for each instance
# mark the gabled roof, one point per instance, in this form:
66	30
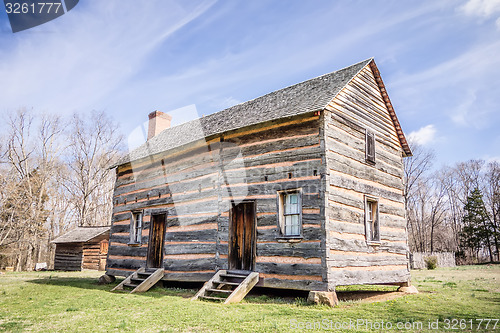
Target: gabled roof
81	235
308	96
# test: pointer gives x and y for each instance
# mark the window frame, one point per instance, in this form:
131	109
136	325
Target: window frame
370	139
135	228
372	224
281	197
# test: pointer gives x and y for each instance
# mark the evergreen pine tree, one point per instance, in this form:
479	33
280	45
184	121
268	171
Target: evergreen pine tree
475	232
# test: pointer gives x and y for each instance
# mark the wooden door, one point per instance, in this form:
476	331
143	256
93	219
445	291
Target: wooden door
156	241
103	254
242	236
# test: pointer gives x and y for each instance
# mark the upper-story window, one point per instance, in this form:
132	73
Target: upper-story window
290	213
370	146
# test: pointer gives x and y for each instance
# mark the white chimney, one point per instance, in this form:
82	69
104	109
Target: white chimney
158	121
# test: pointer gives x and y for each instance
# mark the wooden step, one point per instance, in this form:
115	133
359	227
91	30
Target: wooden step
228	282
213	298
137	281
220	291
130	285
235	276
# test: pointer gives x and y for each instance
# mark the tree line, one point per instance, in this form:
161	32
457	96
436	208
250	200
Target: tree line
54	175
454	208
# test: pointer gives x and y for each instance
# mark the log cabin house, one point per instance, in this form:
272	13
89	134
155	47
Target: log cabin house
303	185
82	248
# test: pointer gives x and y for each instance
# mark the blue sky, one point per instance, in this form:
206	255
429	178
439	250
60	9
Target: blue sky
440	61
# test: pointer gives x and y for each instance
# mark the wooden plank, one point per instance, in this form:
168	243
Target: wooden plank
292	284
190	265
288	269
349	277
195	236
243	289
309	233
345	165
361	246
365	261
301	250
149	282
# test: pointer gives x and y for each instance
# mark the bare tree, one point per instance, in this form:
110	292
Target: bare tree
29	161
94	146
416	168
492	202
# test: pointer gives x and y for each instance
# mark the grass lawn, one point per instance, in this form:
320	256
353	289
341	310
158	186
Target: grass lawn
74	302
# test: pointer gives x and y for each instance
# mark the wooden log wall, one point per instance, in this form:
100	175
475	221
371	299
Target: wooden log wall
68	257
350	258
92	252
195	185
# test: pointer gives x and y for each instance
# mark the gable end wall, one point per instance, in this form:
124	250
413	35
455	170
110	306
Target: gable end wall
350	259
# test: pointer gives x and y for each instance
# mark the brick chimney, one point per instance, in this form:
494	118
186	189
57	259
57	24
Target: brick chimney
158	121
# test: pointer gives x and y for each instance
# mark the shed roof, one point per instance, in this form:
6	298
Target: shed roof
308	96
81	235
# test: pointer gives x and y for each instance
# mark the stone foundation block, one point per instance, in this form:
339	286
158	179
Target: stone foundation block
323	297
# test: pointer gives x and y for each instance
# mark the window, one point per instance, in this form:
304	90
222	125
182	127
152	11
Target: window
370	146
290	213
136	228
371	220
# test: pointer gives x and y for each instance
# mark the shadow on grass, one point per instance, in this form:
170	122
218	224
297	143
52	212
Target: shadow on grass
92	284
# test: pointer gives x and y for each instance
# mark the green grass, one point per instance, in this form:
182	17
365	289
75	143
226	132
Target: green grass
74	302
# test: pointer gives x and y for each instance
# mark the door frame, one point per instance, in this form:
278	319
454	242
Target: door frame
232	234
153	220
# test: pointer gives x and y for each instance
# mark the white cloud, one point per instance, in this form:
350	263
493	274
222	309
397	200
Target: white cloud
464	114
423	136
481	8
225	102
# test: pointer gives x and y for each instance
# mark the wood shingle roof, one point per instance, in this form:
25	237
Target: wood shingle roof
308	96
81	235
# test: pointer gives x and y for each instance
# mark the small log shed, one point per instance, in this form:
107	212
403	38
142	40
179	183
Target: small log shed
82	248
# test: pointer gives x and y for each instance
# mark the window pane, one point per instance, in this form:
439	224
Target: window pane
287	229
291	203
